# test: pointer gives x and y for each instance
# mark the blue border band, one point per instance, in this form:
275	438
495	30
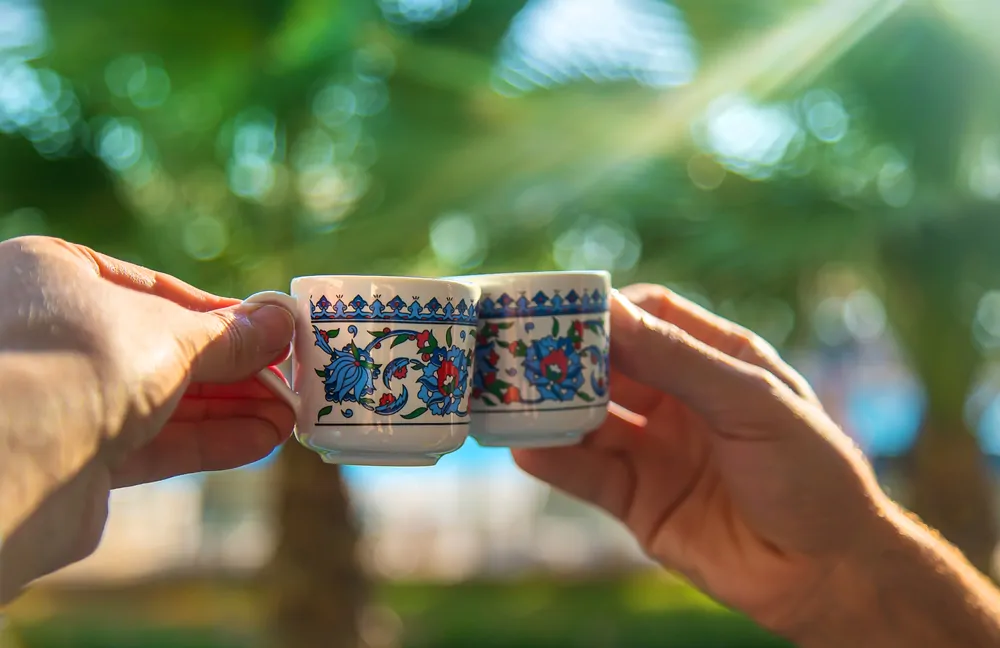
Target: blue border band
395	310
573	303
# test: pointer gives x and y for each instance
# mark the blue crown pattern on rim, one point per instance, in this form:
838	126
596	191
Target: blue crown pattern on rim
573	303
395	310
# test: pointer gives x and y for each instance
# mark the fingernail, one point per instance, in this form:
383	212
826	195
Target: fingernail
274	326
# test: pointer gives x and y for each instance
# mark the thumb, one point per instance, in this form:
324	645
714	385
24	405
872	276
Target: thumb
232	344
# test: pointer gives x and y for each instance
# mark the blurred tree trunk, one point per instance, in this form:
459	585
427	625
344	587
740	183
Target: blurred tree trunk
927	273
951	489
317	587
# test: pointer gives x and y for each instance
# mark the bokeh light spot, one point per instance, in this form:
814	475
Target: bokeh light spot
251	178
825	115
205	238
120	143
334	105
748	138
604	244
119	74
554	42
149	88
864	315
421	11
457	240
895	182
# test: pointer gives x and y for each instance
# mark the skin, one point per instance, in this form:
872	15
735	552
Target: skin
113	375
716	455
721	461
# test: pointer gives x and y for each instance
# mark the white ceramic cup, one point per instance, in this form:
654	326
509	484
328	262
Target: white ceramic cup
381	366
541	371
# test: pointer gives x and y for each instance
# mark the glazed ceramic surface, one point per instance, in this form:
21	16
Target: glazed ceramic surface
541	358
382	366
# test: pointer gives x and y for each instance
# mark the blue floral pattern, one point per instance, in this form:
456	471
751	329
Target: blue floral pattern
445	381
444	372
533	368
350	374
553	366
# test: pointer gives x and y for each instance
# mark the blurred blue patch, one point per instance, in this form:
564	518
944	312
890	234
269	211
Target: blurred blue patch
885	418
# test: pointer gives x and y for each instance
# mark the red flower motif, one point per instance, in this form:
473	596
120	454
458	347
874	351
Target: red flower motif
387	399
326	336
554	365
512	395
476	392
400	373
423	340
493	358
489	379
447	377
494	329
512	346
578	328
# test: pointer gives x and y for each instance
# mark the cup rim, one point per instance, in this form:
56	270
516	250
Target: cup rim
539	274
452	281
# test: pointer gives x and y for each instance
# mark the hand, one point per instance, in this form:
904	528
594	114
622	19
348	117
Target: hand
721	461
155	379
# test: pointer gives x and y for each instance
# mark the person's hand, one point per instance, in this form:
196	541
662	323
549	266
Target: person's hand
720	460
145	378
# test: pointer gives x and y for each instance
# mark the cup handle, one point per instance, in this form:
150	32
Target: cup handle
267	377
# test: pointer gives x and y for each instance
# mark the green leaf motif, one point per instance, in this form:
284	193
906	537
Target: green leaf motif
447	337
324	412
498	387
555	327
399	340
320	373
585	397
505	325
332	333
354	351
366	401
487	401
415	413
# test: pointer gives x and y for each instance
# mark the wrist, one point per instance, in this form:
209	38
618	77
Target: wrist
903	586
43	453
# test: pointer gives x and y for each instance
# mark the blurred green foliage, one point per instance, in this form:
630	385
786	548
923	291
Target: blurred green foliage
239	143
637	613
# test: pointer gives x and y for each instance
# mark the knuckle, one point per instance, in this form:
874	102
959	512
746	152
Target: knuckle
766	383
237	341
41	253
759	347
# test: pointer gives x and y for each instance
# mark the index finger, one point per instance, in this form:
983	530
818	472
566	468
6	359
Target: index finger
665	357
135	277
716	331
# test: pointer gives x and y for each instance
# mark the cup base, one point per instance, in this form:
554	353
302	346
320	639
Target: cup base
379	459
536	428
383	445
